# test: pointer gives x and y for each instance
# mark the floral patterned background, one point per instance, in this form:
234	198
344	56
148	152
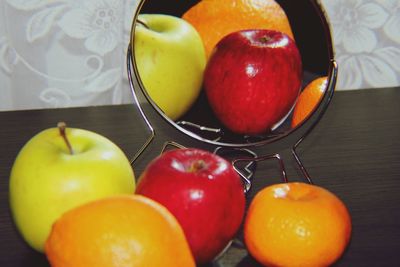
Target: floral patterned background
367	42
65	53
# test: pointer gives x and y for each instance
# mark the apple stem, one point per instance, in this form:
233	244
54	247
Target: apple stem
142	23
61	127
197	165
265	39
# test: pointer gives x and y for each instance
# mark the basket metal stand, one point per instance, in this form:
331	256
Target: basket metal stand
245	158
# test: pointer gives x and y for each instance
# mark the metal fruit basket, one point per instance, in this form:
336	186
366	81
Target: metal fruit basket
306	16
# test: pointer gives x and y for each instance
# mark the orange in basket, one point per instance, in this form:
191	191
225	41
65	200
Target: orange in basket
214	19
309	99
118	231
296	224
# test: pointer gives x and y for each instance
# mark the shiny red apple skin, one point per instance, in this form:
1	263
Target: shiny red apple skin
253	79
204	193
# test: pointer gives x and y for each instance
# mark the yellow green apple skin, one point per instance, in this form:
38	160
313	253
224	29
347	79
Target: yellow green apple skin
170	59
46	179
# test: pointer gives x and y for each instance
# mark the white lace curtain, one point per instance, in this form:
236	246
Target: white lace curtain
367	42
65	53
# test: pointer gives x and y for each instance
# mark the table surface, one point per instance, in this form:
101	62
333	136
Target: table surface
353	151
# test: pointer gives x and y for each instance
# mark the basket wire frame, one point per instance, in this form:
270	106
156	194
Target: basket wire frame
186	127
245	165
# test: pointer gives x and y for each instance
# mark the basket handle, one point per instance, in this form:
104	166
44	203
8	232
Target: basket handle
328	95
139	107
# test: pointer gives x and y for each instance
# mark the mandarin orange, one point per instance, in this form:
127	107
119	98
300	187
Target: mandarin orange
308	100
296	224
214	19
118	231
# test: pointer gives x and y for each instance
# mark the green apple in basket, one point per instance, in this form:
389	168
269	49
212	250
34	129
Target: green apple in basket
170	59
61	168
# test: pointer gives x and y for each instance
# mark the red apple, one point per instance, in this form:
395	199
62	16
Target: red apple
203	191
252	79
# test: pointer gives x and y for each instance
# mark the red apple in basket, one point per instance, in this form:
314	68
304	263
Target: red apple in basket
203	191
252	79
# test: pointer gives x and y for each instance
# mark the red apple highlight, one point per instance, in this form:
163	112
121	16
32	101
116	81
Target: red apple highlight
252	79
204	193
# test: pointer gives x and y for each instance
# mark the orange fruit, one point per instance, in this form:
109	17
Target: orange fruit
309	99
118	231
296	224
214	19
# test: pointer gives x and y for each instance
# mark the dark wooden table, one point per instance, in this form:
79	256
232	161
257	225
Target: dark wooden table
353	151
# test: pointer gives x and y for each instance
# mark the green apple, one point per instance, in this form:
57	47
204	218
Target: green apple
59	169
170	59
